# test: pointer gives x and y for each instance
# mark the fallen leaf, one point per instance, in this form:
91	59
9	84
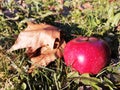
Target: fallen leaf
0	5
43	43
43	60
112	1
54	7
35	36
118	27
86	5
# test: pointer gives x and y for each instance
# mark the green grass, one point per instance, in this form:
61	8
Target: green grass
100	22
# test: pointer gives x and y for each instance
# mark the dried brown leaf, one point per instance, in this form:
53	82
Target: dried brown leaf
86	5
43	60
43	44
35	36
112	1
59	51
118	27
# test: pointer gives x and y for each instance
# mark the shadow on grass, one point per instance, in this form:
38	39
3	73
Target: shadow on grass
113	40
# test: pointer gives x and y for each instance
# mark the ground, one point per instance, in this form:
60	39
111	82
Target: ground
99	18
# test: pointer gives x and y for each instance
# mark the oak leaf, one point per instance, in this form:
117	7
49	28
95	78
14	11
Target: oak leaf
43	43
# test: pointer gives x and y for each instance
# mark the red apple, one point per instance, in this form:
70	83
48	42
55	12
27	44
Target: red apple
87	54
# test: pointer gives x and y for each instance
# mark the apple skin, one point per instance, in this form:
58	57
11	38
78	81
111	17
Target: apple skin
87	54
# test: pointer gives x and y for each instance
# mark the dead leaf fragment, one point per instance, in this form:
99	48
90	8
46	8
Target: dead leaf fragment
86	5
118	27
43	43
